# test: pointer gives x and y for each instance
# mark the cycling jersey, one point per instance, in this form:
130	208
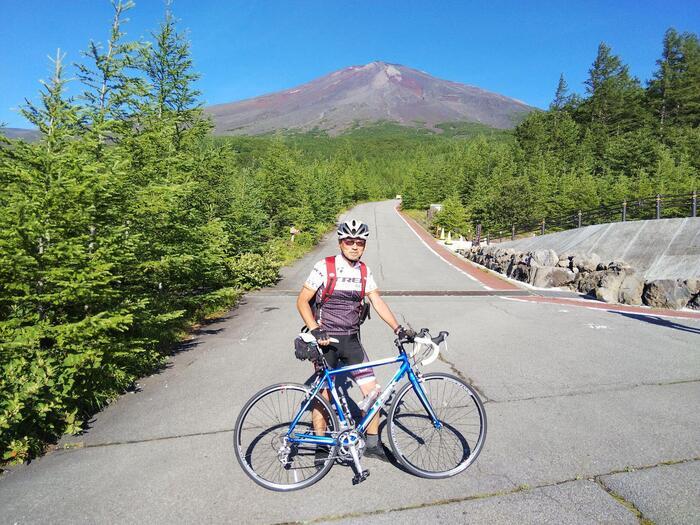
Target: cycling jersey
340	314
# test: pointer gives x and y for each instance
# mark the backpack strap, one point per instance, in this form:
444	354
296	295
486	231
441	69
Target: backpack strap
363	276
331	279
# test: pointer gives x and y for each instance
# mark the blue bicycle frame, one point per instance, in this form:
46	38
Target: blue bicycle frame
328	382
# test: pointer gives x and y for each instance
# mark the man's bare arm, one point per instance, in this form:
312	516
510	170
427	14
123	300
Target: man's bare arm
382	309
304	307
305	295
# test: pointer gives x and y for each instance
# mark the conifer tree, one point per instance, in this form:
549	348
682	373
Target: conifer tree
674	90
171	97
562	97
111	94
615	98
453	216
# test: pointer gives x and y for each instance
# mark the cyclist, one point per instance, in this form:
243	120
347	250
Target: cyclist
339	311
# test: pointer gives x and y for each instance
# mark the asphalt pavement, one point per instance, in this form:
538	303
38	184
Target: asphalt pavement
592	414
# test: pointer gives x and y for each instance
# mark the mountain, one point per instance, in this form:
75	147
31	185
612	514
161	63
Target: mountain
29	135
361	94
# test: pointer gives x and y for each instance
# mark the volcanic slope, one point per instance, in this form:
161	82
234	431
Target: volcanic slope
362	94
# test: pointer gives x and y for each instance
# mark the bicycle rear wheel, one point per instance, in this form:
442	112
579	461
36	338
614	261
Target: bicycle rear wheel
431	452
260	441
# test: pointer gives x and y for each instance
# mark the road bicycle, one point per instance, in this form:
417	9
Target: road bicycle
288	435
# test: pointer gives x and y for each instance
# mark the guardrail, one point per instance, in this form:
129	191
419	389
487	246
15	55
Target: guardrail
655	207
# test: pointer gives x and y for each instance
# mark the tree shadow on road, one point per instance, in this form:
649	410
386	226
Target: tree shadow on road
660	321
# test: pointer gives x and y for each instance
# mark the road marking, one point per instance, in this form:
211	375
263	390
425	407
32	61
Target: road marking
437	254
597	326
582	303
413	293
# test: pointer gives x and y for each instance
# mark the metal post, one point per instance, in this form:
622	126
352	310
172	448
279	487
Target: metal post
512	232
579	218
658	206
542	227
624	211
694	206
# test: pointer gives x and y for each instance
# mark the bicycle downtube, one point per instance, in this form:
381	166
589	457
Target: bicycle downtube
384	395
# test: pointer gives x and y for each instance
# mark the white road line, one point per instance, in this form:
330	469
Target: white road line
440	256
598	309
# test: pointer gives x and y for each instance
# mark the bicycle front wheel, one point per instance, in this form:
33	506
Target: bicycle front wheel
448	449
260	437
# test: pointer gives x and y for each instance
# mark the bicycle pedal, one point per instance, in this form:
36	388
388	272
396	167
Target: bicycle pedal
359	478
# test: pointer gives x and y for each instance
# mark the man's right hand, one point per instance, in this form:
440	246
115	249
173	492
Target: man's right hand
321	336
405	334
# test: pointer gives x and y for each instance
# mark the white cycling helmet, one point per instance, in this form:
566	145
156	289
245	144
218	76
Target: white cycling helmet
353	229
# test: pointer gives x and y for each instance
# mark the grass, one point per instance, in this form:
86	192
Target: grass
420	217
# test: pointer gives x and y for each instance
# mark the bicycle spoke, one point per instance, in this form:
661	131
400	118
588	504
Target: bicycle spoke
422	446
260	438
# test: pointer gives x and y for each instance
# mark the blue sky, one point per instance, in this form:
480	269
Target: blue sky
247	48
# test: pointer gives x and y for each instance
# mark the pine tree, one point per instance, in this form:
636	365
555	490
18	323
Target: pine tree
615	98
111	94
674	90
562	98
56	117
171	96
62	309
453	216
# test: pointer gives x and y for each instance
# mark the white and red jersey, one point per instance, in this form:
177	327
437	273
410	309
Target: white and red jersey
340	314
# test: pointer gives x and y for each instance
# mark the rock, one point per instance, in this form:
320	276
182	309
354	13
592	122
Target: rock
564	261
601	266
631	290
695	302
620	266
666	293
521	272
530	260
552	276
693	285
608	288
587	282
586	263
545	257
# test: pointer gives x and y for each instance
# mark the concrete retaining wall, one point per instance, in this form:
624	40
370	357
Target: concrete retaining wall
657	249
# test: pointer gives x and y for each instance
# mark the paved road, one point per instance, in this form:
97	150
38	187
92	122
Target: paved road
592	416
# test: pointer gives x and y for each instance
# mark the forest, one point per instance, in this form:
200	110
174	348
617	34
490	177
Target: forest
129	222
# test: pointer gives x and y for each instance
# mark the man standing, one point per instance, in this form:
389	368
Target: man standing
339	310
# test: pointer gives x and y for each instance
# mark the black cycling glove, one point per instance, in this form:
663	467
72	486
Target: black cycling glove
405	334
319	333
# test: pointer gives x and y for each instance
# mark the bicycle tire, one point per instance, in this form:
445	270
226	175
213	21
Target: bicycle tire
256	442
418	445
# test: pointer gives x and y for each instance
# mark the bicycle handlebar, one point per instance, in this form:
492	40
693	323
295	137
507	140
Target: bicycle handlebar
432	342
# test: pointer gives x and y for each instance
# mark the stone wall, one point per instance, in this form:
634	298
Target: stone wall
612	282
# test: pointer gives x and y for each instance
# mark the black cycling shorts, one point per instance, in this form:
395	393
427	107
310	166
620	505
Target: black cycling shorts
349	351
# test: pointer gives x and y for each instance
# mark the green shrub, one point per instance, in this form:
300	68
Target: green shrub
254	270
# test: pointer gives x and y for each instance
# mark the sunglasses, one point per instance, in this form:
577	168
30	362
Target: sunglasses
356	242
